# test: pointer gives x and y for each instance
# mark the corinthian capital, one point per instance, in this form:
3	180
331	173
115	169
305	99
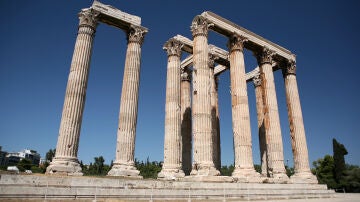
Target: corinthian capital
88	17
185	75
265	56
236	42
290	68
173	47
136	34
257	80
199	26
211	60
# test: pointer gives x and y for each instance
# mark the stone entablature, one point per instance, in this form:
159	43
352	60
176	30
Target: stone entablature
254	43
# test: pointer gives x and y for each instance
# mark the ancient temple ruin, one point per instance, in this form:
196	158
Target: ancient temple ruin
199	123
192	131
192	114
65	160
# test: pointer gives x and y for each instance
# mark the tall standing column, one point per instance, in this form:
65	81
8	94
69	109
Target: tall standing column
125	148
202	130
244	166
215	123
186	131
261	126
172	167
271	118
297	130
65	160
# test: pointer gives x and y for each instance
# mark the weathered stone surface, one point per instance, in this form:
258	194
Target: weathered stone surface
297	129
244	166
271	119
41	187
172	168
261	127
65	160
125	147
228	28
186	121
202	129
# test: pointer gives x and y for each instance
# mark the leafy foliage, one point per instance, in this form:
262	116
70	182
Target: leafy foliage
289	171
335	173
324	171
227	170
98	168
24	164
148	169
339	160
50	155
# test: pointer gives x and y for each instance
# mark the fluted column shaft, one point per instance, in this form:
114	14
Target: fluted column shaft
186	119
244	166
172	167
202	129
125	147
261	127
66	161
215	123
272	121
297	130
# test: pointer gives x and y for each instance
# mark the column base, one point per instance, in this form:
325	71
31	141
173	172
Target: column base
170	174
121	170
64	166
204	170
277	178
246	175
304	178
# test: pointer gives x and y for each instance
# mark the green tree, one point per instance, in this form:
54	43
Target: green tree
24	164
289	171
324	171
257	168
98	168
351	179
227	170
50	155
148	169
339	160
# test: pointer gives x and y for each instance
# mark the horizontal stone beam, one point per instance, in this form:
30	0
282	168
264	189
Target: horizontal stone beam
115	17
188	61
255	42
222	54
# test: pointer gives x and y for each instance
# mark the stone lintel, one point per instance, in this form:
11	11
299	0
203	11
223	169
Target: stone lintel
221	54
187	62
254	43
115	17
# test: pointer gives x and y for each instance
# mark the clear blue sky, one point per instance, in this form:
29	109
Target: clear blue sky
36	47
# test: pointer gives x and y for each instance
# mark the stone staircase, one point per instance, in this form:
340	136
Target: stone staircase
44	187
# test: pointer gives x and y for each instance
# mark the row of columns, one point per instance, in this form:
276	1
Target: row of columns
65	160
205	115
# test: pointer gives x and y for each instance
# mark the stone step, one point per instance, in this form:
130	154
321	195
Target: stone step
56	187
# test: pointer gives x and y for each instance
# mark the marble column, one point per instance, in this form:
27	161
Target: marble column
261	127
244	166
65	160
215	123
172	167
125	147
297	130
186	119
271	119
202	130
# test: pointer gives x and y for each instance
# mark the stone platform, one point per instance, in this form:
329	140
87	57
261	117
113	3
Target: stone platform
63	188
